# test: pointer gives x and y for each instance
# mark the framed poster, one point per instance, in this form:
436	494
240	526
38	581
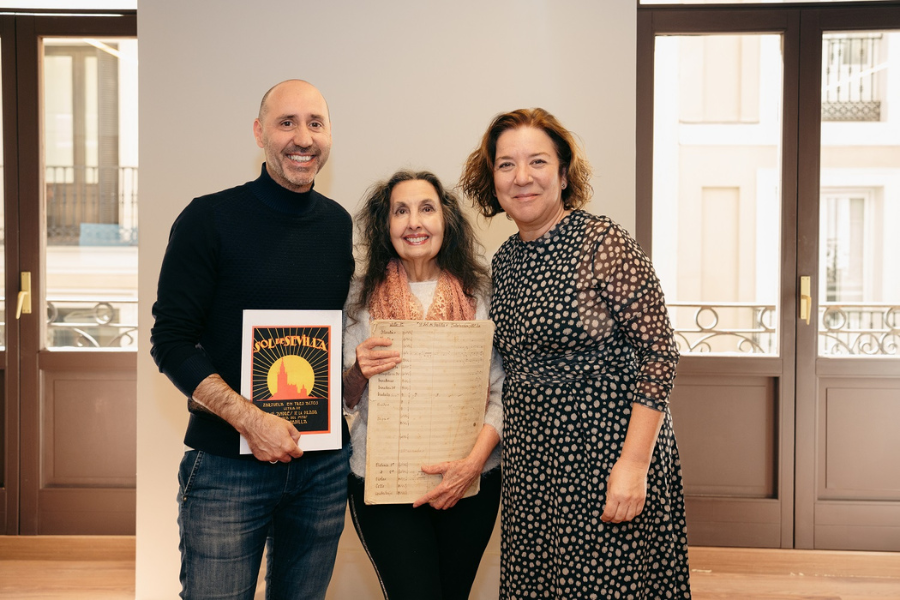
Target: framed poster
291	367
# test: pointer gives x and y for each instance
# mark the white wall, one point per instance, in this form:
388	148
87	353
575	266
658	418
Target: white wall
409	84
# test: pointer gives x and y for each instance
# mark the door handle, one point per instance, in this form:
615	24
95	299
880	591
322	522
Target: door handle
23	302
805	299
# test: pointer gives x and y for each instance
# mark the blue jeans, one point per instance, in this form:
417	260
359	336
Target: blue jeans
231	509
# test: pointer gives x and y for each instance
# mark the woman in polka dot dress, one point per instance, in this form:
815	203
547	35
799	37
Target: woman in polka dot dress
592	500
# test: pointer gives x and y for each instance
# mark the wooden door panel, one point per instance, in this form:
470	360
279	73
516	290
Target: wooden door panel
86	445
727	428
740	522
88	432
4	454
736	416
857	525
858	481
95	511
858	441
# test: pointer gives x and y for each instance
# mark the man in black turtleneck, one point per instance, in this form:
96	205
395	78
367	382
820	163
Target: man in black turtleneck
273	243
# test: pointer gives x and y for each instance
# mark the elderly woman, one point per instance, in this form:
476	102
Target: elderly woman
592	495
421	263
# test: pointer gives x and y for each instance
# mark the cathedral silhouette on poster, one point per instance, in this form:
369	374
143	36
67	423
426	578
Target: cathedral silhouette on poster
285	390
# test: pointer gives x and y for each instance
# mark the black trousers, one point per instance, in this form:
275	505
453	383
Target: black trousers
423	553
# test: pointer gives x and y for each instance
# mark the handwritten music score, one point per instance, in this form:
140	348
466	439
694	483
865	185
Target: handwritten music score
429	408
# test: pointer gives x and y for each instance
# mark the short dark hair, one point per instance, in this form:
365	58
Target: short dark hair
477	181
459	254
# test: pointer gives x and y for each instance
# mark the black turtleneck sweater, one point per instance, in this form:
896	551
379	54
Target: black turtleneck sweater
255	246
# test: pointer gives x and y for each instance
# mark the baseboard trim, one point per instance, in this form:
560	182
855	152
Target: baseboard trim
67	547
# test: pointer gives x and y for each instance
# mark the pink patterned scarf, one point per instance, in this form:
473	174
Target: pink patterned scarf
392	298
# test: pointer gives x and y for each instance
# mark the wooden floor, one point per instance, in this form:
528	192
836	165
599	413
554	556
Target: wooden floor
102	568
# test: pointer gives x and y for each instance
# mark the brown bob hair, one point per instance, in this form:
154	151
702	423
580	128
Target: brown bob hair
477	181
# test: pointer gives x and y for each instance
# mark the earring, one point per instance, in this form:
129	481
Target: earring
563	185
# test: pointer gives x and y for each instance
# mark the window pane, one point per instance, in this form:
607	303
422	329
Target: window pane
859	283
90	170
717	189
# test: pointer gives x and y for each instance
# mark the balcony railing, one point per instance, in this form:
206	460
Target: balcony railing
859	329
850	77
746	328
88	323
92	206
92	323
724	328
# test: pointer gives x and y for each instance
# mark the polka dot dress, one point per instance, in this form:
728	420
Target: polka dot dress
584	333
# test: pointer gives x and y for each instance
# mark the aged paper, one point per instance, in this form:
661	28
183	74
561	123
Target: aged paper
429	408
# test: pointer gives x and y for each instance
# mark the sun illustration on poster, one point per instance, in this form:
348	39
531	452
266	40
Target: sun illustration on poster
290	363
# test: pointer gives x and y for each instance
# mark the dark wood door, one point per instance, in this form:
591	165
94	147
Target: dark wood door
717	212
773	429
70	369
848	370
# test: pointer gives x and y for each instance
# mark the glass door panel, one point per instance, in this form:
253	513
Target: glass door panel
859	283
717	189
90	185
